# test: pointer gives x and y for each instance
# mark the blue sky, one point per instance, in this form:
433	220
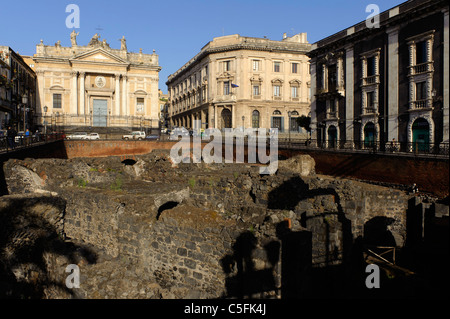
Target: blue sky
176	29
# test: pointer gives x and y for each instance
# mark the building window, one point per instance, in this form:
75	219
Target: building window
277	121
276	91
256	90
293	125
226	88
371	70
294	92
57	101
256	65
421	70
332	77
140	105
370	101
277	67
421	91
255	119
294	67
226	66
421	52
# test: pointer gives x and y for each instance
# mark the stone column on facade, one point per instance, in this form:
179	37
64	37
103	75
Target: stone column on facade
117	96
74	102
392	84
445	75
313	124
215	116
154	102
40	90
82	93
349	97
233	116
124	96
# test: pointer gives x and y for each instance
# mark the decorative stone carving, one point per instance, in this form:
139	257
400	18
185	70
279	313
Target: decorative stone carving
105	44
94	41
73	38
123	44
100	81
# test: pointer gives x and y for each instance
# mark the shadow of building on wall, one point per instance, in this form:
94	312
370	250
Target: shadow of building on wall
28	244
292	270
243	279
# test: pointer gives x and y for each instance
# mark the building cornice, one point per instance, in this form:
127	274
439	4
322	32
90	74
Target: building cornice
272	46
389	20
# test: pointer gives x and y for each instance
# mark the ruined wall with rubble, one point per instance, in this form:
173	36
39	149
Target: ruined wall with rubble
151	229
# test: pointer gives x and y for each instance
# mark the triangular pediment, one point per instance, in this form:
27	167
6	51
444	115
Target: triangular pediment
98	55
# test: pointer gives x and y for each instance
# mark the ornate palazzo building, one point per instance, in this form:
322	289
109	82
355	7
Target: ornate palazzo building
95	86
17	91
237	81
376	84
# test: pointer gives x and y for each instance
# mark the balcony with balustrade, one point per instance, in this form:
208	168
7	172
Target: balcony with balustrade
421	68
421	105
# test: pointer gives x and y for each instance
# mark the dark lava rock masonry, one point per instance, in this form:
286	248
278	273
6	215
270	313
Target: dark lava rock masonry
146	228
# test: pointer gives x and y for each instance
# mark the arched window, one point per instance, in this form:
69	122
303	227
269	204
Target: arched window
277	121
420	135
293	124
332	136
369	135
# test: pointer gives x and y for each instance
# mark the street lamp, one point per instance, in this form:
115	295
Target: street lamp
289	115
45	119
24	102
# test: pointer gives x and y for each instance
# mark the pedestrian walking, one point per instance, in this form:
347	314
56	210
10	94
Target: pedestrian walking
11	136
27	137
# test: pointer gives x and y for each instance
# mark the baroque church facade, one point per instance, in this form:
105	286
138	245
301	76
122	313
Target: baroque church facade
95	87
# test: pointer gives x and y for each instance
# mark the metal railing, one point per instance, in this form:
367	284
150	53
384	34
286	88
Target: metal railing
417	148
10	144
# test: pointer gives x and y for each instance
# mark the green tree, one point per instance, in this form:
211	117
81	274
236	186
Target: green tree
305	122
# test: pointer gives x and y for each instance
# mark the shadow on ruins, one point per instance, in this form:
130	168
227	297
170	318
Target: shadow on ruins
217	231
31	243
298	268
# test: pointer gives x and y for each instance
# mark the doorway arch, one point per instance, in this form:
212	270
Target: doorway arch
420	135
369	135
332	136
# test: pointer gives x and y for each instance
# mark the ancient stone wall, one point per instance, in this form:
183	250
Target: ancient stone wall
204	231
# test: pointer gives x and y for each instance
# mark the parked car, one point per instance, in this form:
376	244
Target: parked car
178	131
19	136
152	137
92	136
77	136
135	135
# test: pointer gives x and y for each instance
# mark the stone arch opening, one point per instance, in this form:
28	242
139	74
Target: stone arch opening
129	161
369	135
166	206
332	136
420	134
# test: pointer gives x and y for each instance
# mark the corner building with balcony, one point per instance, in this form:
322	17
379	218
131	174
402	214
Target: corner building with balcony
237	81
96	87
375	83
